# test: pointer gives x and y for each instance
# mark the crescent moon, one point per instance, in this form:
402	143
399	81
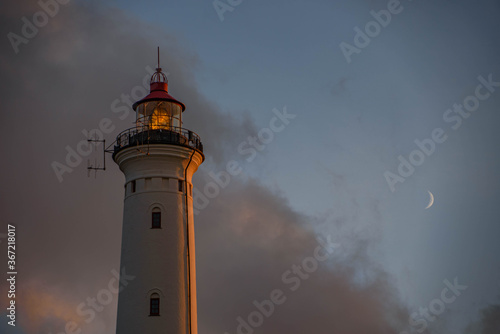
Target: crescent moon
431	200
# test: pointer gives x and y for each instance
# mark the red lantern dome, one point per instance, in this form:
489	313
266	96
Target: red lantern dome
159	109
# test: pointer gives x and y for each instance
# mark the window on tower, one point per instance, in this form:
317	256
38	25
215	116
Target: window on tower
154	305
181	186
132	186
159	115
156	218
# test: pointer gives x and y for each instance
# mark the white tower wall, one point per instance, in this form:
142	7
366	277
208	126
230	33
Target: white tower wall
162	260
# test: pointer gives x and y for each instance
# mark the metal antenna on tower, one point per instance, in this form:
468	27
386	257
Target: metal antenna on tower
95	166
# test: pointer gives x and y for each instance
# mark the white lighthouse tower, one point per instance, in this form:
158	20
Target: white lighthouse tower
158	158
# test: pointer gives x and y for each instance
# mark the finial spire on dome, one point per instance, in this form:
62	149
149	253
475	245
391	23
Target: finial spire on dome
158	89
158	76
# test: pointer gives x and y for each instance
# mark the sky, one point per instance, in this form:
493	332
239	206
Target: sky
381	102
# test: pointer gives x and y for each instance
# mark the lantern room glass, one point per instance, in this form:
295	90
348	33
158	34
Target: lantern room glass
159	115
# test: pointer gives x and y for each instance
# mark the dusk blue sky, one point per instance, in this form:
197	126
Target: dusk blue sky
323	174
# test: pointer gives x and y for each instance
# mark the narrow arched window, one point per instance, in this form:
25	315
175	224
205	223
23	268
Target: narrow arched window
154	304
156	218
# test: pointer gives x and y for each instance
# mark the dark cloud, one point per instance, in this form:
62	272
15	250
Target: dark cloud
64	81
250	237
489	322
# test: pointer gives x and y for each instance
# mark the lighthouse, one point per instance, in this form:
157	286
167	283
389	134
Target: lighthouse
158	158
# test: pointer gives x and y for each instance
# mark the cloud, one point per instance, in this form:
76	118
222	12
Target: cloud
65	80
251	237
489	322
